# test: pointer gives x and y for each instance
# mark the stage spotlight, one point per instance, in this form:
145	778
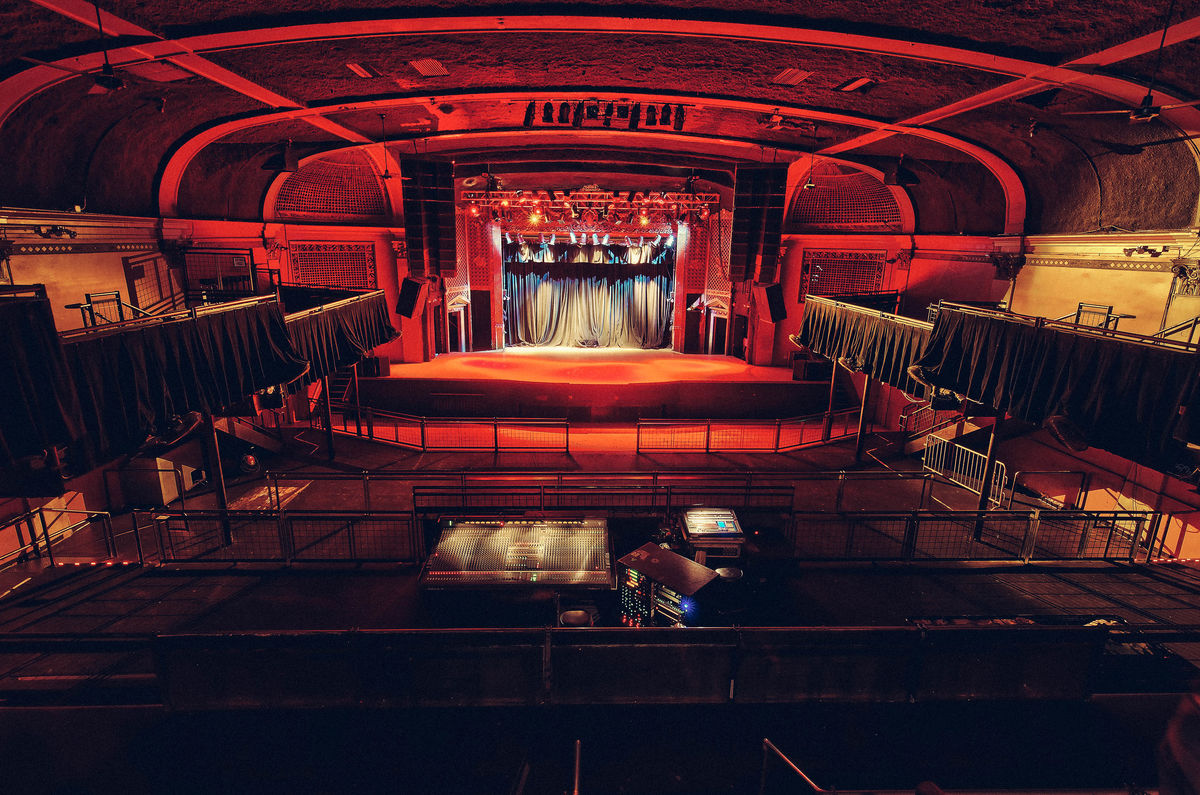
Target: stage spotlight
664	115
644	220
564	113
553	239
548	113
574	240
530	111
535	218
542	238
521	239
604	242
678	118
595	239
670	240
474	209
657	240
628	242
641	242
508	238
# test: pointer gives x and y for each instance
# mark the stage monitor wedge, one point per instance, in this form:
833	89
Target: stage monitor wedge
757	222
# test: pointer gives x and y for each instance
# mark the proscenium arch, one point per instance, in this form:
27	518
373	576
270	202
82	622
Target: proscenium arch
903	201
177	162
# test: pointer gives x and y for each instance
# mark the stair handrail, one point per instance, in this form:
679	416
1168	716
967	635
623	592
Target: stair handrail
1189	325
769	748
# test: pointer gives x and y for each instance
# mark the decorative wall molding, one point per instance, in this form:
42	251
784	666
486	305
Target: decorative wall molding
948	256
82	248
1145	264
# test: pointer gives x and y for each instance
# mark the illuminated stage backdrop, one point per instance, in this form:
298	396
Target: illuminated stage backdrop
588	295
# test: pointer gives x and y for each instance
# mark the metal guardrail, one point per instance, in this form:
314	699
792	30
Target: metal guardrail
964	466
814	490
494	434
1017	536
768	436
920	418
21	539
285	537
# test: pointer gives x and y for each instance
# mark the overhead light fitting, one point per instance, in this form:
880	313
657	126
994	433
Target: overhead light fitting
859	84
365	71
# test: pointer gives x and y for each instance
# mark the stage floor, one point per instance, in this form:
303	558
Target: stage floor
554	365
593	384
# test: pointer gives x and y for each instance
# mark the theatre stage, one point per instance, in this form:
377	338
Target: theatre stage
592	384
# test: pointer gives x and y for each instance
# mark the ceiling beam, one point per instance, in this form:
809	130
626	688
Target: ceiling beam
176	165
185	57
1186	119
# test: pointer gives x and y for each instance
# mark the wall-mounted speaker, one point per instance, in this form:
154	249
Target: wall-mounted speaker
412	297
769	300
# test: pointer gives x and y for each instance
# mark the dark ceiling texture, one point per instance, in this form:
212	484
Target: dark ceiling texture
979	96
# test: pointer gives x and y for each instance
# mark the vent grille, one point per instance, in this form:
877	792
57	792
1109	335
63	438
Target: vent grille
791	77
342	186
334	264
429	67
844	199
841	272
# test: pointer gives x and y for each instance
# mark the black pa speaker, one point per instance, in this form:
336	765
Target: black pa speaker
769	300
412	296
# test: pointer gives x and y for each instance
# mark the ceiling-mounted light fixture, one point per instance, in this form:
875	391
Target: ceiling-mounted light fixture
812	162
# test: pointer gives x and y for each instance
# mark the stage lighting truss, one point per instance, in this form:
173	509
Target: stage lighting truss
622	212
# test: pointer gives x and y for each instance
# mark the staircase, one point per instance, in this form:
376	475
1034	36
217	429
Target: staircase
341	387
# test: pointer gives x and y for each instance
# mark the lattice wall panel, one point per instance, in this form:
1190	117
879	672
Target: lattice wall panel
335	264
339	186
720	228
479	254
839	272
695	260
845	200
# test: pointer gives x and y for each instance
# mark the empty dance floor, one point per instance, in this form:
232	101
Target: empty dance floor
602	384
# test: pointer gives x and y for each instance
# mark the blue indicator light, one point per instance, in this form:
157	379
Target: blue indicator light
720	524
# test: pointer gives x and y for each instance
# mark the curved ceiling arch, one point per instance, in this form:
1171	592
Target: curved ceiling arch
173	170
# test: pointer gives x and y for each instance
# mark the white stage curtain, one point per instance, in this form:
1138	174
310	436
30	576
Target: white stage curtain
588	312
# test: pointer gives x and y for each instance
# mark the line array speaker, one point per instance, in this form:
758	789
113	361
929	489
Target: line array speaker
412	297
427	187
757	222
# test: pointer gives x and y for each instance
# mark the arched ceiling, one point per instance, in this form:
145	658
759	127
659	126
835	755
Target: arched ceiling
979	97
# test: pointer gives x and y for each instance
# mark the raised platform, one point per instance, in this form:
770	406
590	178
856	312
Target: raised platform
600	384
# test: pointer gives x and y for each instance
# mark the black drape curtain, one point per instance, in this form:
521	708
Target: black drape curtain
1133	399
298	297
884	345
340	336
132	382
588	296
38	404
